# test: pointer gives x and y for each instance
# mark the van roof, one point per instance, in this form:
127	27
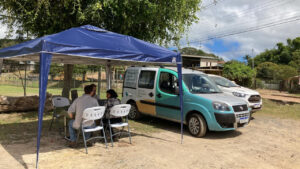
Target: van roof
184	70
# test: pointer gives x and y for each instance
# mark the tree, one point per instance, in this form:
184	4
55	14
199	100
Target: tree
272	71
284	72
283	54
267	70
194	51
154	21
55	69
239	72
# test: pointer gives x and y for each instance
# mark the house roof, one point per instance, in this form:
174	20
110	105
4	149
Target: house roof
198	56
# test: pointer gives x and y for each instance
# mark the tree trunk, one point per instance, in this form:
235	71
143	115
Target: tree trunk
68	72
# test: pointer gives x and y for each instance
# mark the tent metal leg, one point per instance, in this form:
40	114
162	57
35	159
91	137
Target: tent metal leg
1	65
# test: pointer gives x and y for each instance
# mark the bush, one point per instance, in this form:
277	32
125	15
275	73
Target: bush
239	72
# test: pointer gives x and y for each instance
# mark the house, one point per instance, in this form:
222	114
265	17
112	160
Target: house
206	64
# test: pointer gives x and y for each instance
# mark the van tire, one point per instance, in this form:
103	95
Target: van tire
134	113
197	125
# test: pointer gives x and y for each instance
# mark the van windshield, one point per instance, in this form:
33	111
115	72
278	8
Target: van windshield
223	81
200	83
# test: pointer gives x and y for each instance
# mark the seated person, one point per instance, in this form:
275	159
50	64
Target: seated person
112	99
94	90
78	106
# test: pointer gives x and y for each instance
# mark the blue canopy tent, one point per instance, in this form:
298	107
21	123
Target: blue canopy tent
89	45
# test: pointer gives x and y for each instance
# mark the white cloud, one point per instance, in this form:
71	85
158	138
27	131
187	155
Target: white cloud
229	16
3	30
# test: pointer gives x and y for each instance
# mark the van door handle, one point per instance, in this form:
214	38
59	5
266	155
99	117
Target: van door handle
151	94
158	95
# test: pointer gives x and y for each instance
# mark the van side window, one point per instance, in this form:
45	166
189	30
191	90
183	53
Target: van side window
146	79
130	78
167	82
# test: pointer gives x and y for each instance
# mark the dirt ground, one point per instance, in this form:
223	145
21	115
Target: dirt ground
265	143
280	96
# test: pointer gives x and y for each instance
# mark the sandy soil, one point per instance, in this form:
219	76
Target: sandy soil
280	96
265	143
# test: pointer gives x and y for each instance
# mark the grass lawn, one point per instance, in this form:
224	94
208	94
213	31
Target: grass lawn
279	110
8	90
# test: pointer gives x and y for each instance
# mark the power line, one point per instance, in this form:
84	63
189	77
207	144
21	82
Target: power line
288	20
237	25
214	3
251	16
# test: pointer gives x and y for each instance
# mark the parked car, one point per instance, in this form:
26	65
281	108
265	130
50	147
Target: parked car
154	91
251	96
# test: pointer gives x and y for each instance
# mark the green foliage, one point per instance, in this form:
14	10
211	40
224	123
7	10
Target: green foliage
9	42
283	54
238	72
55	69
194	51
155	21
266	70
284	72
272	71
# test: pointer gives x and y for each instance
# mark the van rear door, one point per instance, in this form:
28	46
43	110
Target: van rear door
146	91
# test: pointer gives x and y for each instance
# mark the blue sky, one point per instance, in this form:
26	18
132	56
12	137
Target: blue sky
220	46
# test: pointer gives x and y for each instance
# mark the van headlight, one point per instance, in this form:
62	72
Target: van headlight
237	94
221	106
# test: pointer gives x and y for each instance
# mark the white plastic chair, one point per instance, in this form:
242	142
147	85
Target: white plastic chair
58	102
92	114
121	110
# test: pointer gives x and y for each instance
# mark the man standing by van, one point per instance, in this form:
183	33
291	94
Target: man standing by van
78	106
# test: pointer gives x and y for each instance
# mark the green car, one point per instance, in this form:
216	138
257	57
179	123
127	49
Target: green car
154	91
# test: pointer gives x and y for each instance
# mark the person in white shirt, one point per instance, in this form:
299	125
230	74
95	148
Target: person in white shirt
78	106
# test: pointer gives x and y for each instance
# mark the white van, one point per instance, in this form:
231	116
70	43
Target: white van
154	91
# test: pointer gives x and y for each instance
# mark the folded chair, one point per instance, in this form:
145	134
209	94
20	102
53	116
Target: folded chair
121	110
58	102
92	114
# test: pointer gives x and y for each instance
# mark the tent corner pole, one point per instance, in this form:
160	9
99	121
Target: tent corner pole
179	70
99	81
45	62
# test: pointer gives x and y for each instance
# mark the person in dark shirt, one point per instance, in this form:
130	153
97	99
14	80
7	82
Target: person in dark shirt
112	100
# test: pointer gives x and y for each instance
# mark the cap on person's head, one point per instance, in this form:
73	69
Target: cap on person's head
88	89
112	93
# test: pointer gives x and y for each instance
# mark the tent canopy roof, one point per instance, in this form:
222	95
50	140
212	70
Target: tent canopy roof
90	45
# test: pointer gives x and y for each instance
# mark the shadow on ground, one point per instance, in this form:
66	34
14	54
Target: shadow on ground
162	124
19	138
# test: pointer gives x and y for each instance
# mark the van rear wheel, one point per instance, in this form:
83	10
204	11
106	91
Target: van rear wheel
134	113
197	125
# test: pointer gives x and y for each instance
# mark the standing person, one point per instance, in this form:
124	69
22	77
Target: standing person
78	106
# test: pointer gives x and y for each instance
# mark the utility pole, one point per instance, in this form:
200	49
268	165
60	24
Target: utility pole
254	79
252	59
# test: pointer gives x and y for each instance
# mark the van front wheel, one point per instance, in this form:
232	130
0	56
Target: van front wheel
197	125
134	113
